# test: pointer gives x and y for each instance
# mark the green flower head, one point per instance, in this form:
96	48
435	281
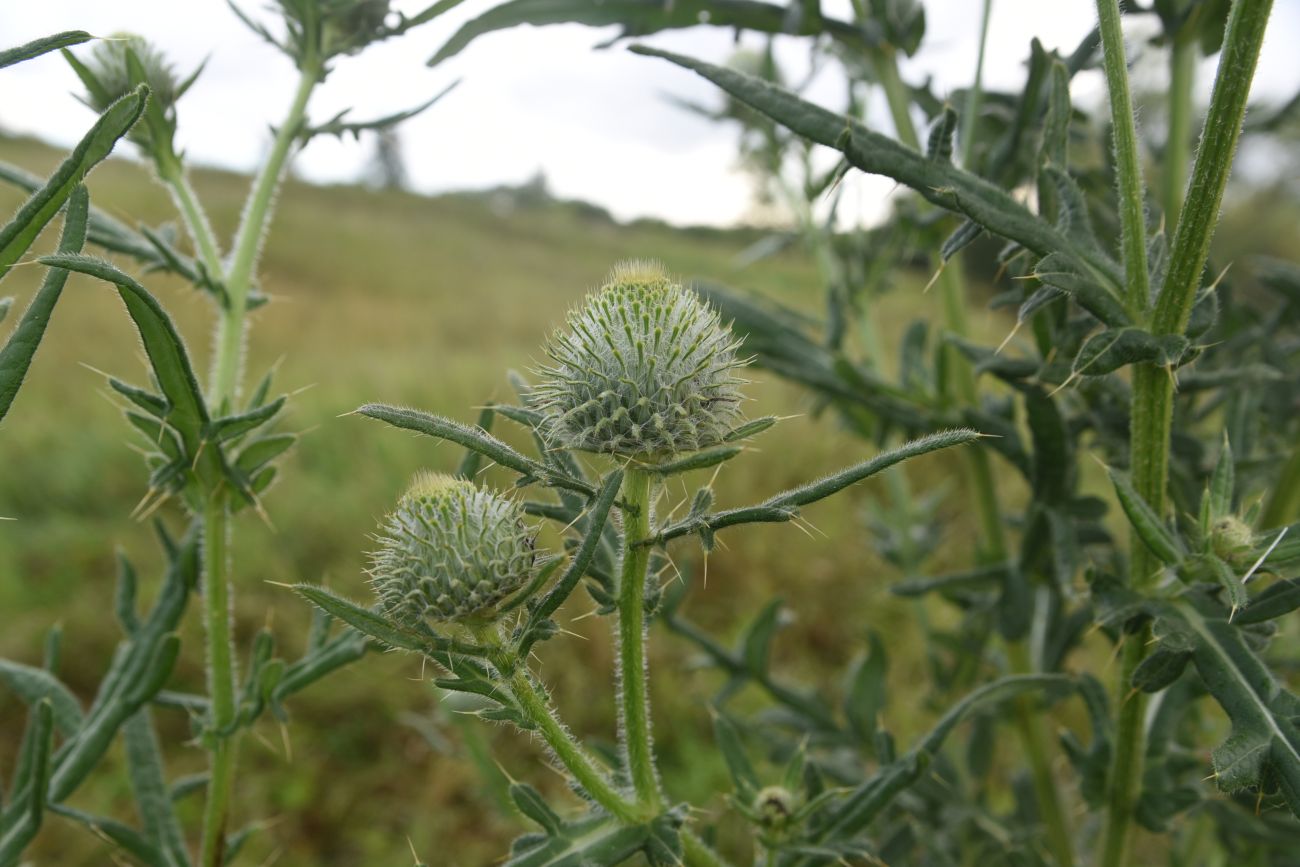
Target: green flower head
450	551
645	370
109	65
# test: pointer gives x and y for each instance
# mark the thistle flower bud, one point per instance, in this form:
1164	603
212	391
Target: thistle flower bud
110	68
775	806
645	370
450	551
1233	540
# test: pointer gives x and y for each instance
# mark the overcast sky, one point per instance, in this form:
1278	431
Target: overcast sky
595	121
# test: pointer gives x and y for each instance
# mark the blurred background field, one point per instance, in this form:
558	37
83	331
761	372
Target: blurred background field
427	302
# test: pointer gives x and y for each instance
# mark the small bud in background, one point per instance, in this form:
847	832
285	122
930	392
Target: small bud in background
645	370
109	64
1233	541
450	551
775	806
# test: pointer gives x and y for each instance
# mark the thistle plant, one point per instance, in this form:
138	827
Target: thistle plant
212	450
1131	472
1127	347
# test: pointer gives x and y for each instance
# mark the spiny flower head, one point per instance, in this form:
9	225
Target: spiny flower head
645	370
109	65
450	551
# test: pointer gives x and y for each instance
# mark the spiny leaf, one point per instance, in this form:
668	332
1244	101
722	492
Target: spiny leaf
1063	272
743	777
939	145
162	343
941	183
1264	748
31	218
16	356
148	783
34	685
586	551
1113	348
1150	528
338	127
643	17
44	45
811	493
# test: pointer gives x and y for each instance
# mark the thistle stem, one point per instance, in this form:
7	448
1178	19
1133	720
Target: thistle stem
1178	151
1152	407
634	702
248	242
593	780
221	683
570	753
1128	169
187	202
223	387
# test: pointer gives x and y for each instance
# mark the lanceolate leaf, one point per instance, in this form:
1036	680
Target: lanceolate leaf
34	685
162	343
941	183
643	17
148	782
867	800
1114	348
44	45
31	218
1263	750
16	356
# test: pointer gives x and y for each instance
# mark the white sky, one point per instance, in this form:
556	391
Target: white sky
594	121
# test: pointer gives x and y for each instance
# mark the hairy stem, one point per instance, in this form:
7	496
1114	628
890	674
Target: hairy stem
1200	213
971	109
585	770
228	360
1152	407
634	702
187	202
570	753
1178	145
221	683
1132	192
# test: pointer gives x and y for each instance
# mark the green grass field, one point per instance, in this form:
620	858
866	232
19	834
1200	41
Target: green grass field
425	302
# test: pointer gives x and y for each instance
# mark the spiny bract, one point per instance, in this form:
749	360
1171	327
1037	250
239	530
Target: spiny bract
450	551
645	370
108	64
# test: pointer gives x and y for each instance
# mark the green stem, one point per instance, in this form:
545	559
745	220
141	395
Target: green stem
971	110
1178	150
1131	197
570	753
698	853
885	61
1152	407
1200	213
593	780
1034	737
248	241
196	219
1031	725
221	683
634	703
